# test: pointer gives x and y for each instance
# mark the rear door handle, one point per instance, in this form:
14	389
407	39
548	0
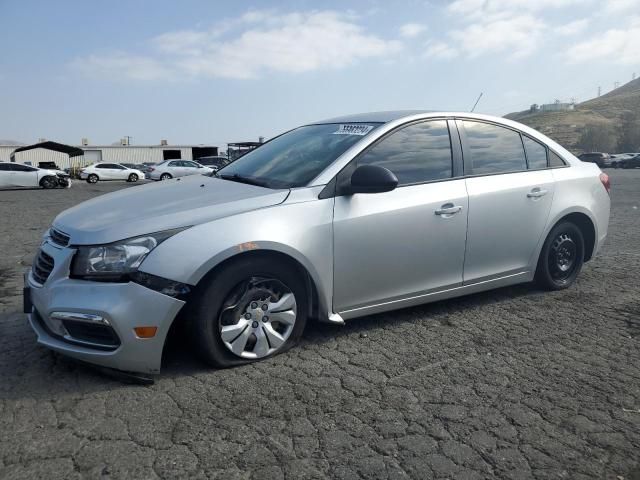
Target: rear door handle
536	193
448	209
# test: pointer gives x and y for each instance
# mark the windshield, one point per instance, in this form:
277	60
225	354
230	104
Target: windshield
296	157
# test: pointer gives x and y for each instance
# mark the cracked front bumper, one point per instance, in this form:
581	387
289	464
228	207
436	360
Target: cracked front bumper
123	306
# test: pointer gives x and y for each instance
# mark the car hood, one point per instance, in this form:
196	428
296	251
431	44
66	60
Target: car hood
161	206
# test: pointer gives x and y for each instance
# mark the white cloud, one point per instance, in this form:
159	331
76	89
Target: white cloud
410	30
573	28
480	8
621	6
264	42
440	50
620	45
517	36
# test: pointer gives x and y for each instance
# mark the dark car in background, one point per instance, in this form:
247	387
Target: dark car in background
599	158
632	162
214	162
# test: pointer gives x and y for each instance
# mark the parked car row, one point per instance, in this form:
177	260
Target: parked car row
604	160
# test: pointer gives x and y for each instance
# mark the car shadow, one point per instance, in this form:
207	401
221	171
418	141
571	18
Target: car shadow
179	359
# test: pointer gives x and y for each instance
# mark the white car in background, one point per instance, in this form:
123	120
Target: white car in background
177	168
19	175
110	171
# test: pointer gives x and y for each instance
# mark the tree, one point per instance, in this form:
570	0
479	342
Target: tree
629	140
597	137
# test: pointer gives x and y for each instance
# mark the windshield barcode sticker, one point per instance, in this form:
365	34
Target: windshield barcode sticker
353	129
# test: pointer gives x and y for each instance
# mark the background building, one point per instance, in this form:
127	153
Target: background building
136	154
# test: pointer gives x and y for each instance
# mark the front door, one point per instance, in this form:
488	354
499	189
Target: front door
510	197
407	242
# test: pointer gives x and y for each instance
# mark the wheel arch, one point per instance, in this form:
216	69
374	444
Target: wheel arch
587	227
45	177
316	307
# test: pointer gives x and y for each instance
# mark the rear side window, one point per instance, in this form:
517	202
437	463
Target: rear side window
415	154
174	164
555	160
5	167
536	153
493	149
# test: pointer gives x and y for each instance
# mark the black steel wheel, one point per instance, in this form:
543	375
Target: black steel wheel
561	258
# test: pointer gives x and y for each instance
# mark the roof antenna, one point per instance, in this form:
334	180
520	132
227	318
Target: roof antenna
476	104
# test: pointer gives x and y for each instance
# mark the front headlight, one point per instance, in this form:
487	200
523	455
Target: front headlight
115	261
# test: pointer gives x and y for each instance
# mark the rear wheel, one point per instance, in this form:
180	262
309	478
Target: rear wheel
132	178
48	182
165	176
251	310
92	178
561	258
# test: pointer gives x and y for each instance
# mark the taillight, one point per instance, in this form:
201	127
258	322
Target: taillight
151	169
604	178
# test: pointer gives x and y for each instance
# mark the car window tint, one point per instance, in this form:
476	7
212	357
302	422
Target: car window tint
5	167
174	164
102	165
190	164
21	168
555	160
493	149
536	153
418	153
119	167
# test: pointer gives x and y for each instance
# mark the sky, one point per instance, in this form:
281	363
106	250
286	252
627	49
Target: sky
212	72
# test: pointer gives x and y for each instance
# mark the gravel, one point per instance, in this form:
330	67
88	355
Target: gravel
513	383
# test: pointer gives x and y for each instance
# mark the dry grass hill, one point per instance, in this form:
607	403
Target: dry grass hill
606	111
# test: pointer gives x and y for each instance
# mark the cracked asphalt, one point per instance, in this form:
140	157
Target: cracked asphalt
513	383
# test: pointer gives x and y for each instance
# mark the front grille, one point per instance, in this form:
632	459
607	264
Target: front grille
42	267
100	335
59	238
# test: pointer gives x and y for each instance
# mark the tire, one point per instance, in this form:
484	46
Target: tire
165	176
92	178
561	257
626	165
615	165
133	178
226	298
48	182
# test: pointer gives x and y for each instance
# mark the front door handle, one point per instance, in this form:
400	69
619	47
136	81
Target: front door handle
536	193
448	209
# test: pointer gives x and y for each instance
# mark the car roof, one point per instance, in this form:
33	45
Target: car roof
374	117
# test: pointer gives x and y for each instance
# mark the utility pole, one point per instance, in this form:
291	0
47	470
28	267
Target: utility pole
599	90
128	139
633	77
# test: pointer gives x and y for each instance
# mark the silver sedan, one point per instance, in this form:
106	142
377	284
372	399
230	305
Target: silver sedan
329	221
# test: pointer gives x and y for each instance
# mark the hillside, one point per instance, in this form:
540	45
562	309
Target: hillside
605	113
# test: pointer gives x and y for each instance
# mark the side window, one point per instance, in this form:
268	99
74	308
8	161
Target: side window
21	168
493	149
5	167
102	165
118	167
418	153
174	164
536	153
555	160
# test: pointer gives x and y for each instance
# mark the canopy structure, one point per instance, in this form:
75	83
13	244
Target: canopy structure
237	149
55	146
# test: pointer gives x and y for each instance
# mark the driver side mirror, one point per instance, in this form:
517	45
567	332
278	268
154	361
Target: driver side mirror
372	179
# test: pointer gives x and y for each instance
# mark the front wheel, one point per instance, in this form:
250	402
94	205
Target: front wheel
561	258
132	178
48	182
251	310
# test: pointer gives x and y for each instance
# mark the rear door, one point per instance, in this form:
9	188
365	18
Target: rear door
175	169
6	175
510	195
407	242
104	171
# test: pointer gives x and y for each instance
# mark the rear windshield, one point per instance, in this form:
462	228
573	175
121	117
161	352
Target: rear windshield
297	157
